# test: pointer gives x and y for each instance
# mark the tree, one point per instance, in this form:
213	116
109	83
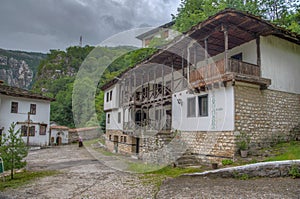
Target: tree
13	150
280	12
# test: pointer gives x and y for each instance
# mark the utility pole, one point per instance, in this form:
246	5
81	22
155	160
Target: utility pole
28	128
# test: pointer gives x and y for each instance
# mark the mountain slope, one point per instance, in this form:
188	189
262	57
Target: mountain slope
18	68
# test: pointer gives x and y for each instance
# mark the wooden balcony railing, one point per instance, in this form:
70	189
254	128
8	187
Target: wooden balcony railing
218	69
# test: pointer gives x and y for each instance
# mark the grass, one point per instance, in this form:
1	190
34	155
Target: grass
89	143
286	151
24	178
158	176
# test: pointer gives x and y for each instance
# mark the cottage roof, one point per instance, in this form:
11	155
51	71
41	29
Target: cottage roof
59	127
242	27
154	30
18	92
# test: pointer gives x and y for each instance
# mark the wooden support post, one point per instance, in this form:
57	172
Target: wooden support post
226	48
172	80
258	53
182	67
28	127
206	50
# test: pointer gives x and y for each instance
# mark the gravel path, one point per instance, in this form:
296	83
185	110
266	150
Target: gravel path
82	176
204	187
86	176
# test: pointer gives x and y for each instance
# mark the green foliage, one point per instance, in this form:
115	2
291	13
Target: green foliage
227	162
239	176
291	151
24	178
294	171
13	150
280	12
243	141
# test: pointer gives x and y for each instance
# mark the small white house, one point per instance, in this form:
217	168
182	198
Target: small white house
30	111
59	135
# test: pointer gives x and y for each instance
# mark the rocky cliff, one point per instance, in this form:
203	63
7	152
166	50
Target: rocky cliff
18	68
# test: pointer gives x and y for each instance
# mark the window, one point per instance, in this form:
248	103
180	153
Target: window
119	117
121	139
14	107
125	139
32	131
238	56
110	98
32	109
109	137
108	118
203	105
24	130
191	109
107	96
43	128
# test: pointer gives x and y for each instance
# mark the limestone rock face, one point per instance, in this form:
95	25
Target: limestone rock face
17	68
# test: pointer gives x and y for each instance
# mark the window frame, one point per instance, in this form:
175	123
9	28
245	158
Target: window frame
14	108
189	114
110	97
32	109
42	131
107	96
202	113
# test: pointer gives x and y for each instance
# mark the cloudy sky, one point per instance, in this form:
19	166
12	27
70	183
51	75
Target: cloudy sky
40	25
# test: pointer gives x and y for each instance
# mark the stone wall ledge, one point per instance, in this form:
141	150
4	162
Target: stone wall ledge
262	169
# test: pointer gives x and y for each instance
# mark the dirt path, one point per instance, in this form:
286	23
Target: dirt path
82	177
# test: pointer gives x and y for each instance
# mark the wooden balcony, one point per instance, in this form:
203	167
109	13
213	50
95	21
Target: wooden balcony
219	72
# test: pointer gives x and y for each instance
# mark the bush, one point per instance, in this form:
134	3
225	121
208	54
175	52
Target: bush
227	162
294	172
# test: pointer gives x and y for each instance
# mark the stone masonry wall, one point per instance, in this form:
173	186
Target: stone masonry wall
267	116
209	147
123	147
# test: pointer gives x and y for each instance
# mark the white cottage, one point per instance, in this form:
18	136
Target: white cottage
59	135
30	111
232	73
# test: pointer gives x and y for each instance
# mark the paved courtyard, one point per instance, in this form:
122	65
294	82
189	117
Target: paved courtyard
84	175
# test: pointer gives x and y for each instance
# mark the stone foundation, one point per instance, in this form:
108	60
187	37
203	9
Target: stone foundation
118	142
207	147
268	116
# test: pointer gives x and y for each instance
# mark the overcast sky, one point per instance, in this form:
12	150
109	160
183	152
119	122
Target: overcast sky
40	25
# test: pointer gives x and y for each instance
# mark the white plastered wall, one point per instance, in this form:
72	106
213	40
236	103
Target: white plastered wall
280	62
220	111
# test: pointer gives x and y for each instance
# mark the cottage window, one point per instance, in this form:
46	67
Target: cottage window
43	128
110	97
32	131
107	96
24	130
121	139
14	107
125	139
108	118
32	109
109	137
119	117
203	105
191	107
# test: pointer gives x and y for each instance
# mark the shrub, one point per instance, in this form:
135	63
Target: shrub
294	172
227	162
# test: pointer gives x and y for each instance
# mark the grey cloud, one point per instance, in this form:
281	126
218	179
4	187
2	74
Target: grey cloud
37	25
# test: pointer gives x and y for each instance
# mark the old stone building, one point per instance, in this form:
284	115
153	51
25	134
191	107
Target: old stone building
232	73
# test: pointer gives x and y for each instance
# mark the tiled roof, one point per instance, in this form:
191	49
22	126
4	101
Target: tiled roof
18	92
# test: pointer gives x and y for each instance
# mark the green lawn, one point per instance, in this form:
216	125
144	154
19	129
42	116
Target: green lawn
286	151
23	178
